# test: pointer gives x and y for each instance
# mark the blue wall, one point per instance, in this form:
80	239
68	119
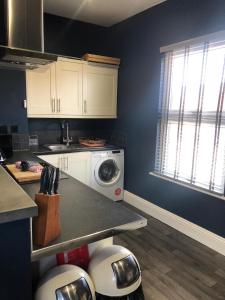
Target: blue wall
137	41
72	38
12	94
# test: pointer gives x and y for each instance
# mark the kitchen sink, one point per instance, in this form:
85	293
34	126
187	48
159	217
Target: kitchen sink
62	147
58	147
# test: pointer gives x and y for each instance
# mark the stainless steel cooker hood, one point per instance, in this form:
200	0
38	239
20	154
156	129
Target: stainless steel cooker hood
22	35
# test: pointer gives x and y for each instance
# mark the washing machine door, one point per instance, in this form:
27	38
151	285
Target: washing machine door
107	172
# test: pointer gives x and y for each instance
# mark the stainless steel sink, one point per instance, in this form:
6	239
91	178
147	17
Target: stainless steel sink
57	147
62	147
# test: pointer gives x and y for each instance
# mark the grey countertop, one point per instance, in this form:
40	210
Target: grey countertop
75	148
15	204
86	215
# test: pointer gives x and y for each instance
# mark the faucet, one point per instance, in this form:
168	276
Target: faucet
67	139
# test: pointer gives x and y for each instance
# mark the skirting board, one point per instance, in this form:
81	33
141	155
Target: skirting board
190	229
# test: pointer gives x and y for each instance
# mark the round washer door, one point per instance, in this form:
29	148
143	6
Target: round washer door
107	172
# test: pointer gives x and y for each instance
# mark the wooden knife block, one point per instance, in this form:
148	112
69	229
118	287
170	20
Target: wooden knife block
46	226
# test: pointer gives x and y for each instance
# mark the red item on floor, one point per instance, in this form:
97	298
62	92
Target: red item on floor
79	257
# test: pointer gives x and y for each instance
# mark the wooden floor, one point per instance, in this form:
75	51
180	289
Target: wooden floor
173	265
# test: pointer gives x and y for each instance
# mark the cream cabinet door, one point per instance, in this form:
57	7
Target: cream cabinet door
69	88
99	91
57	160
78	166
40	88
53	159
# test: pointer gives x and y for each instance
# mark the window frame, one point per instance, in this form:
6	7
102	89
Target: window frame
172	115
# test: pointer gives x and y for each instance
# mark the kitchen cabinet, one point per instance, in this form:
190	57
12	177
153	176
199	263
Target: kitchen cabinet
40	86
69	88
55	90
72	89
53	159
77	165
100	90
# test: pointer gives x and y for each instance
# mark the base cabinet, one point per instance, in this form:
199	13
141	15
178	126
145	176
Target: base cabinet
77	165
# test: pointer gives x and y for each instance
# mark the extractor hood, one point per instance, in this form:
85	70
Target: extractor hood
22	35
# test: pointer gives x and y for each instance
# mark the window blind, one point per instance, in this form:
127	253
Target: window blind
191	119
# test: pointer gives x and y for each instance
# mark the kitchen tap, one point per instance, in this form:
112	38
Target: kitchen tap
67	139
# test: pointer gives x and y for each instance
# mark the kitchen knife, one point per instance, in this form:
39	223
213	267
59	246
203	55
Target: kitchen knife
56	182
46	180
42	181
53	181
50	180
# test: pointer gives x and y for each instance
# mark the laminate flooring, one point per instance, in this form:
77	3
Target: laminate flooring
174	266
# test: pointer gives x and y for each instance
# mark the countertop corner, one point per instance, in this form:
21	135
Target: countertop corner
15	204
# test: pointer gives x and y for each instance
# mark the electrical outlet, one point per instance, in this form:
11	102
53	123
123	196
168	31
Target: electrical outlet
25	103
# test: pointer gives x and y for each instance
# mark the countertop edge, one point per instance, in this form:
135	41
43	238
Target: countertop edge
20	214
42	150
50	250
13	211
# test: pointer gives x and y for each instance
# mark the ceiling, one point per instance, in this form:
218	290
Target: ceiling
100	12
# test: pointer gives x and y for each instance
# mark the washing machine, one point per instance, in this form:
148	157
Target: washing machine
107	173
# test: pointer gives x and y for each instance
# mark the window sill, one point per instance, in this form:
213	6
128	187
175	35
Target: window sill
195	188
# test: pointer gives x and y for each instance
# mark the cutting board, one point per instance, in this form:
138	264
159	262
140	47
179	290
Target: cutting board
20	176
101	59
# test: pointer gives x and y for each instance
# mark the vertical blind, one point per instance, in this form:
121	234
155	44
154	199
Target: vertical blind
191	120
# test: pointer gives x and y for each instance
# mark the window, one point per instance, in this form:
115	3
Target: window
191	123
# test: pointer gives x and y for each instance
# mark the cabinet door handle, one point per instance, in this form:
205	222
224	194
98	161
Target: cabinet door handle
61	164
63	160
57	105
85	106
53	105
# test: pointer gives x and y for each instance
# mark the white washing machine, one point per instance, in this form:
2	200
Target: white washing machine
107	173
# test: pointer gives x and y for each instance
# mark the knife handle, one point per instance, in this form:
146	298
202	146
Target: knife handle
42	180
56	182
50	180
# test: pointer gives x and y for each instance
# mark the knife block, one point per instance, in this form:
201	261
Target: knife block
46	226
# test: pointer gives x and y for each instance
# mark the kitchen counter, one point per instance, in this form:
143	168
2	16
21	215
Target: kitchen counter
15	204
86	215
42	150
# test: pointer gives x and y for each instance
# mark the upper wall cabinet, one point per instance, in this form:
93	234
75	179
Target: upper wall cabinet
99	90
72	89
55	90
69	88
40	86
